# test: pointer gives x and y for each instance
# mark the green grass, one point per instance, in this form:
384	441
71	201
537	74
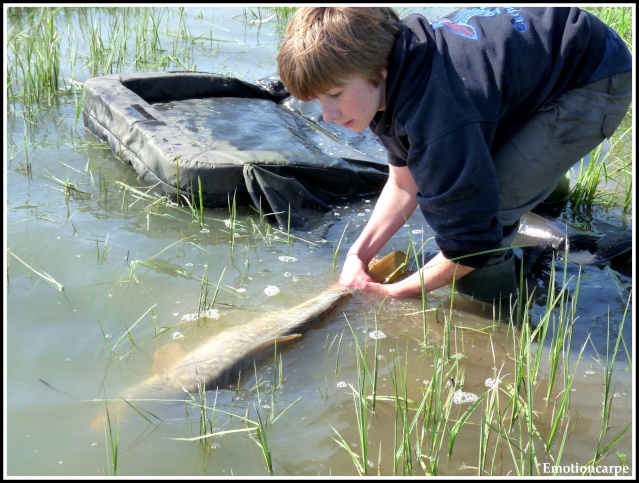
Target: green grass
41	273
512	434
120	40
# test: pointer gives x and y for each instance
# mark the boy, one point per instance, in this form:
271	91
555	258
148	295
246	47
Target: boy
482	114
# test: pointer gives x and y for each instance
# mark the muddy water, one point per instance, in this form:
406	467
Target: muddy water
131	269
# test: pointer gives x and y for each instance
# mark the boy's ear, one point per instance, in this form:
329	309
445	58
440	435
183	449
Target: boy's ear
384	73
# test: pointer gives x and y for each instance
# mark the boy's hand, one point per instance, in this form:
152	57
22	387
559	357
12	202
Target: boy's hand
354	273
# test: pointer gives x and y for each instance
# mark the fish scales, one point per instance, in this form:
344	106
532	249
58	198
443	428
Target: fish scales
219	359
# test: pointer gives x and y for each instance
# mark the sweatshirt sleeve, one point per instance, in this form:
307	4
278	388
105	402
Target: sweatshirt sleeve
458	192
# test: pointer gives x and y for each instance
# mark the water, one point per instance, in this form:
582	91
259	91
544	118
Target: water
99	279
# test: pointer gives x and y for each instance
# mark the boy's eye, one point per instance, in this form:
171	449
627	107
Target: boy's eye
336	94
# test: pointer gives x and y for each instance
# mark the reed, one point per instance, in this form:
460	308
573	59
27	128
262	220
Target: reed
41	273
403	426
34	55
509	423
609	366
263	443
196	205
364	379
112	439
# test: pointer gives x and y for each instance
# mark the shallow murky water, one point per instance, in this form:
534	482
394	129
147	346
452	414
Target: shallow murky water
100	280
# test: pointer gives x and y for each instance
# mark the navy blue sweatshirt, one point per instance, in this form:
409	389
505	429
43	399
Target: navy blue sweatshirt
458	88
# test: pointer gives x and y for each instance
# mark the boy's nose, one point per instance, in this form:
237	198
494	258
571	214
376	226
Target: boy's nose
329	113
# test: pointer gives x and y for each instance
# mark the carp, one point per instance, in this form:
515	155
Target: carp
219	359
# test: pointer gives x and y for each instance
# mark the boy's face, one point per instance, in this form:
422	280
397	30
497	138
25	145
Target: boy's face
354	103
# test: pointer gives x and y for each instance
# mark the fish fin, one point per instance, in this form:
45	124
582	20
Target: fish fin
278	340
389	268
166	357
583	257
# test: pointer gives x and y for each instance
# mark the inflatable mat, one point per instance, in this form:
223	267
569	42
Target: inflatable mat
193	132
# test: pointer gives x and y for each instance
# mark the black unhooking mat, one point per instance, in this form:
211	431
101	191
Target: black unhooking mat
187	132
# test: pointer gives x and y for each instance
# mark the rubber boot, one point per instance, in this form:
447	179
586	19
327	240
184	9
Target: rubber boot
555	202
492	282
561	191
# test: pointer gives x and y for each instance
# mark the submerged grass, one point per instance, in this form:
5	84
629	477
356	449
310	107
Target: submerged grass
41	273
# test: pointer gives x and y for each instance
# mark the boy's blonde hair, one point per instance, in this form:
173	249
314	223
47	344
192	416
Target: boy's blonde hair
323	46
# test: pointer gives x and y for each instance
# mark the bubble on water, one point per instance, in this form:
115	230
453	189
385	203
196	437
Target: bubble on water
227	223
590	373
361	214
240	290
271	290
461	397
204	230
215	445
490	382
211	313
457	356
188	264
287	259
377	334
178	335
417	232
341	384
287	274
